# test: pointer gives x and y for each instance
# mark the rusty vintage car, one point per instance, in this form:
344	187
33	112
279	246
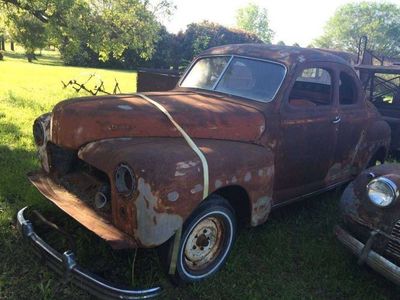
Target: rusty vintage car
371	219
247	129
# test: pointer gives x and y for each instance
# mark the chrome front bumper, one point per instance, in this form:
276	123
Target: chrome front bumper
376	261
65	265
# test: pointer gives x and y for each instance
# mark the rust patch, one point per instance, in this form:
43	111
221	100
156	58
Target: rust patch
81	212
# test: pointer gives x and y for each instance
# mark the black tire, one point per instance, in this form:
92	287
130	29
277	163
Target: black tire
215	218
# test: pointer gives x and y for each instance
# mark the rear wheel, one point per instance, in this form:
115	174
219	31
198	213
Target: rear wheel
206	241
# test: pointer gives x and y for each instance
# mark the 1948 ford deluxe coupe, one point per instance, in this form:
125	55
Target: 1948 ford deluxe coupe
247	129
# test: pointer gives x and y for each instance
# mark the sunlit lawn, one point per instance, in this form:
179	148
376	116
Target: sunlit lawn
294	255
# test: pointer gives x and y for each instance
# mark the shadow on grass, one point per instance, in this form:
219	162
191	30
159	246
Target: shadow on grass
46	60
15	55
10	129
14	164
92	252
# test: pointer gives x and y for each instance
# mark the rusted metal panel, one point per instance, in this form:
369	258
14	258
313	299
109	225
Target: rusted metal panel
390	112
290	56
80	211
156	80
170	180
79	121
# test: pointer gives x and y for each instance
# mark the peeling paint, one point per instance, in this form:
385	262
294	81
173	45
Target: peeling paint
262	128
125	107
218	183
186	164
178	173
197	188
173	196
247	177
301	58
261	210
151	233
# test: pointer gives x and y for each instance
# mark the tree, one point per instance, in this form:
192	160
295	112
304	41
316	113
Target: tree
281	43
103	27
379	21
254	19
204	35
27	31
2	31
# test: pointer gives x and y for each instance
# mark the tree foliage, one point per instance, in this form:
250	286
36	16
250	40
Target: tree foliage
379	21
107	28
120	33
254	19
204	35
28	31
176	51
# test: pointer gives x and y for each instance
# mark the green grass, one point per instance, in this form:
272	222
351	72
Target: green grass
293	256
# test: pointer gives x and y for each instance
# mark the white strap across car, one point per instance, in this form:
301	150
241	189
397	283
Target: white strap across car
188	140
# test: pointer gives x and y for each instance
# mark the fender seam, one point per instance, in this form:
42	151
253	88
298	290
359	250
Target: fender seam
188	139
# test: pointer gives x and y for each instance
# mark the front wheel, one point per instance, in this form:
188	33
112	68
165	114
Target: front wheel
206	241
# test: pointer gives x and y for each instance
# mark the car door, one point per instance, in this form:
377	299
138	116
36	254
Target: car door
351	125
308	134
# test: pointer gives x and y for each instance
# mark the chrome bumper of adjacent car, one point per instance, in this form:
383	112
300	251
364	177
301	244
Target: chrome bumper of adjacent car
65	264
376	261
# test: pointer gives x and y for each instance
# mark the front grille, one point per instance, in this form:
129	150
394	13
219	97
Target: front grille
77	177
60	159
393	246
85	183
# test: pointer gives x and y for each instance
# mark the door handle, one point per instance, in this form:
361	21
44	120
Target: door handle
336	120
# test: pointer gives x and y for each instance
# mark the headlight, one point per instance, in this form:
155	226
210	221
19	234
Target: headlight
41	129
38	132
125	180
382	191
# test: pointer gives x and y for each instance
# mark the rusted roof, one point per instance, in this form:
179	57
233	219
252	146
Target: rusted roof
284	54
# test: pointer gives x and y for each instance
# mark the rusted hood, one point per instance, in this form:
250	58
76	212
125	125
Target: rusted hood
78	121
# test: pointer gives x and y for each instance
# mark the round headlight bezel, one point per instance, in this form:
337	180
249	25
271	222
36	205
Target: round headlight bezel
125	180
38	133
390	185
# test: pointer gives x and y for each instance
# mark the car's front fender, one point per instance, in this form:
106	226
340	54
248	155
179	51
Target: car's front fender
170	183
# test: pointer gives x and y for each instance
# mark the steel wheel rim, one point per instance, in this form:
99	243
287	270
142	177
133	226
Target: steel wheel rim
204	243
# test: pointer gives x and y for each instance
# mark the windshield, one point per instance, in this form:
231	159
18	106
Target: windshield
245	77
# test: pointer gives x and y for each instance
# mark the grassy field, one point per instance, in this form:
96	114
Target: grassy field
294	255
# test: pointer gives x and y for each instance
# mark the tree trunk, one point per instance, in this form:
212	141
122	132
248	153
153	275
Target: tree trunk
12	46
31	56
2	43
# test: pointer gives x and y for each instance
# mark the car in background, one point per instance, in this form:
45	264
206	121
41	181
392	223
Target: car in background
371	219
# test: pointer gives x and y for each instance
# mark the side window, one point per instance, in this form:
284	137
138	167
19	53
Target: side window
347	90
312	88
